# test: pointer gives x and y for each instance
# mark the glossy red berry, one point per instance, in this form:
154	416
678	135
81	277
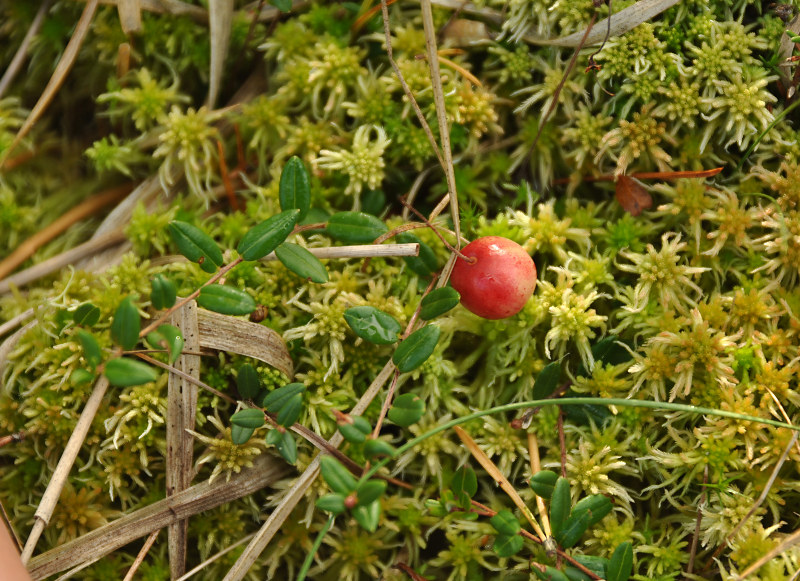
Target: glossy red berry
500	280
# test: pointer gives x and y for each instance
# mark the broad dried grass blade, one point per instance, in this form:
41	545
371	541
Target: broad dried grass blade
220	14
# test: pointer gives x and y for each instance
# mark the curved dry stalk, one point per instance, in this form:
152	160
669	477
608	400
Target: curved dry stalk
19	57
140	557
53	491
58	77
441	113
83	210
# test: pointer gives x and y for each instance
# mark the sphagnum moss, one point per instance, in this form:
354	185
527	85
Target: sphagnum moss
702	291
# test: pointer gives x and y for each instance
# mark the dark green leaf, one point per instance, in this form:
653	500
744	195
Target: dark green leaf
226	300
331	503
505	523
196	245
87	314
282	5
574	574
301	262
241	434
416	348
550	574
573	530
169	338
126	324
248	418
80	377
465	481
267	236
507	545
357	431
290	410
355	227
406	410
543	483
609	350
423	264
337	476
91	348
368	516
547	380
247	381
124	372
273	437
621	563
162	292
596	565
596	505
560	505
295	189
370	491
373	325
585	414
287	447
374	448
275	400
438	302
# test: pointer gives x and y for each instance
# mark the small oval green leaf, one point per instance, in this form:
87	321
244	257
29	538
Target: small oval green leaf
352	434
169	338
370	491
375	448
196	245
465	481
550	574
295	188
373	325
267	236
226	300
87	314
337	476
423	264
573	530
287	447
547	380
275	400
162	292
416	348
507	545
248	381
91	348
505	523
301	262
621	564
438	302
355	227
240	434
368	516
560	505
406	410
248	418
290	410
126	324
596	505
80	377
332	502
124	372
543	483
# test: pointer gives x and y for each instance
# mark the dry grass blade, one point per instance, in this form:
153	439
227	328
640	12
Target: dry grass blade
53	491
441	113
59	261
220	14
298	489
130	16
195	500
181	412
214	557
621	22
9	344
359	251
226	333
533	450
59	75
787	544
19	57
140	557
500	478
83	210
